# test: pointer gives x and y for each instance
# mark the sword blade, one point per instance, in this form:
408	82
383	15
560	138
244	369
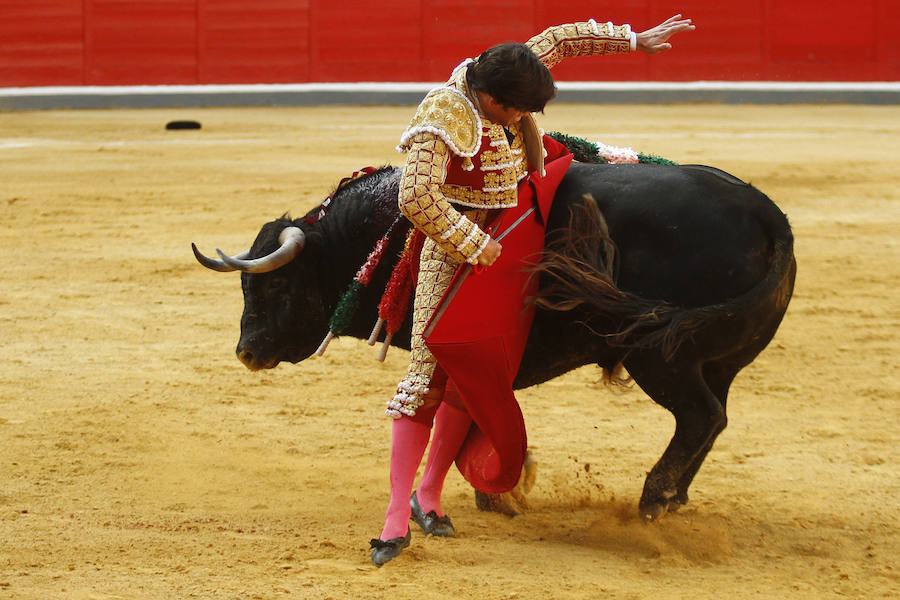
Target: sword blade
515	224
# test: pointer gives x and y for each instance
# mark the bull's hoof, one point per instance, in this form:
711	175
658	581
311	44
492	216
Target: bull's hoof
677	502
514	501
655	510
652	512
498	503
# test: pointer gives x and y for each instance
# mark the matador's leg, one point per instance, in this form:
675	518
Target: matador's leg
414	405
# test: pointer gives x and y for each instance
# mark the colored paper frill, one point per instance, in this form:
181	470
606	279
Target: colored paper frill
349	302
589	152
394	304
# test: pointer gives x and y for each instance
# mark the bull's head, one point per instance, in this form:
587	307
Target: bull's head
280	286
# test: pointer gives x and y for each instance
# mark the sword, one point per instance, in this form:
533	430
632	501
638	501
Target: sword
514	225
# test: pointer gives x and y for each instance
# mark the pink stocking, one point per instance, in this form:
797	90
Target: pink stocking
451	425
408	441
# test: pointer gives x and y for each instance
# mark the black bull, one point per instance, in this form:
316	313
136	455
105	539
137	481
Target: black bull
691	288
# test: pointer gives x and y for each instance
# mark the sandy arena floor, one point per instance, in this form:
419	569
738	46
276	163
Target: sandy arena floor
140	459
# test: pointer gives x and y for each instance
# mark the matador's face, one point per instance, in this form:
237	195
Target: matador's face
498	113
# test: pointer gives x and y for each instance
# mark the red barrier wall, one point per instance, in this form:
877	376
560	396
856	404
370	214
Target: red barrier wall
127	42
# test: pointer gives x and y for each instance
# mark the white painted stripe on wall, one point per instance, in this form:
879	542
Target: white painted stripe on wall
766	86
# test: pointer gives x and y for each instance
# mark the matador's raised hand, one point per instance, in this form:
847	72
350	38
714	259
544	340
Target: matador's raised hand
656	38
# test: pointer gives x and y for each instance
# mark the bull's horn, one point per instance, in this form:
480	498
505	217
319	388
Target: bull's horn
291	240
214	263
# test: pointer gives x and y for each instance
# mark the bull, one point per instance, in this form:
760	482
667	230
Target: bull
679	274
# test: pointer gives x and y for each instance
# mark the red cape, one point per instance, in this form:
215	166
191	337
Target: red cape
479	331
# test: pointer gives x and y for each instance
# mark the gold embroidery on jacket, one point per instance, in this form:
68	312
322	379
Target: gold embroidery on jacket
424	202
447	113
579	39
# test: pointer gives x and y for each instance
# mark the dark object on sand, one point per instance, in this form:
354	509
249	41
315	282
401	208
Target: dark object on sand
183	125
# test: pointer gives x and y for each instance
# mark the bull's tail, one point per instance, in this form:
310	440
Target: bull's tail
578	273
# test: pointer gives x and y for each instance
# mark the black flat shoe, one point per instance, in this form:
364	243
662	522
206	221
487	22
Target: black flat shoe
385	550
431	524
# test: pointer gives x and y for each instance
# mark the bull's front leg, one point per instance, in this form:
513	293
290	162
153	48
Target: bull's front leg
514	501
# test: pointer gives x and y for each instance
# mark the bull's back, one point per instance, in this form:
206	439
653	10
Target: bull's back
692	236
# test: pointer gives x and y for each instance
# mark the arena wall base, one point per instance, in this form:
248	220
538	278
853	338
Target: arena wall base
396	94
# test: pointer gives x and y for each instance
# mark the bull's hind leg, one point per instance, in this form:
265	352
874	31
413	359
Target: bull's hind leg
718	377
699	418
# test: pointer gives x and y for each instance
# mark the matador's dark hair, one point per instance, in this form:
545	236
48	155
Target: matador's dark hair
514	76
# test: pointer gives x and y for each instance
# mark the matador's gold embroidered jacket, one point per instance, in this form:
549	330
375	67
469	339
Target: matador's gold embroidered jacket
455	154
